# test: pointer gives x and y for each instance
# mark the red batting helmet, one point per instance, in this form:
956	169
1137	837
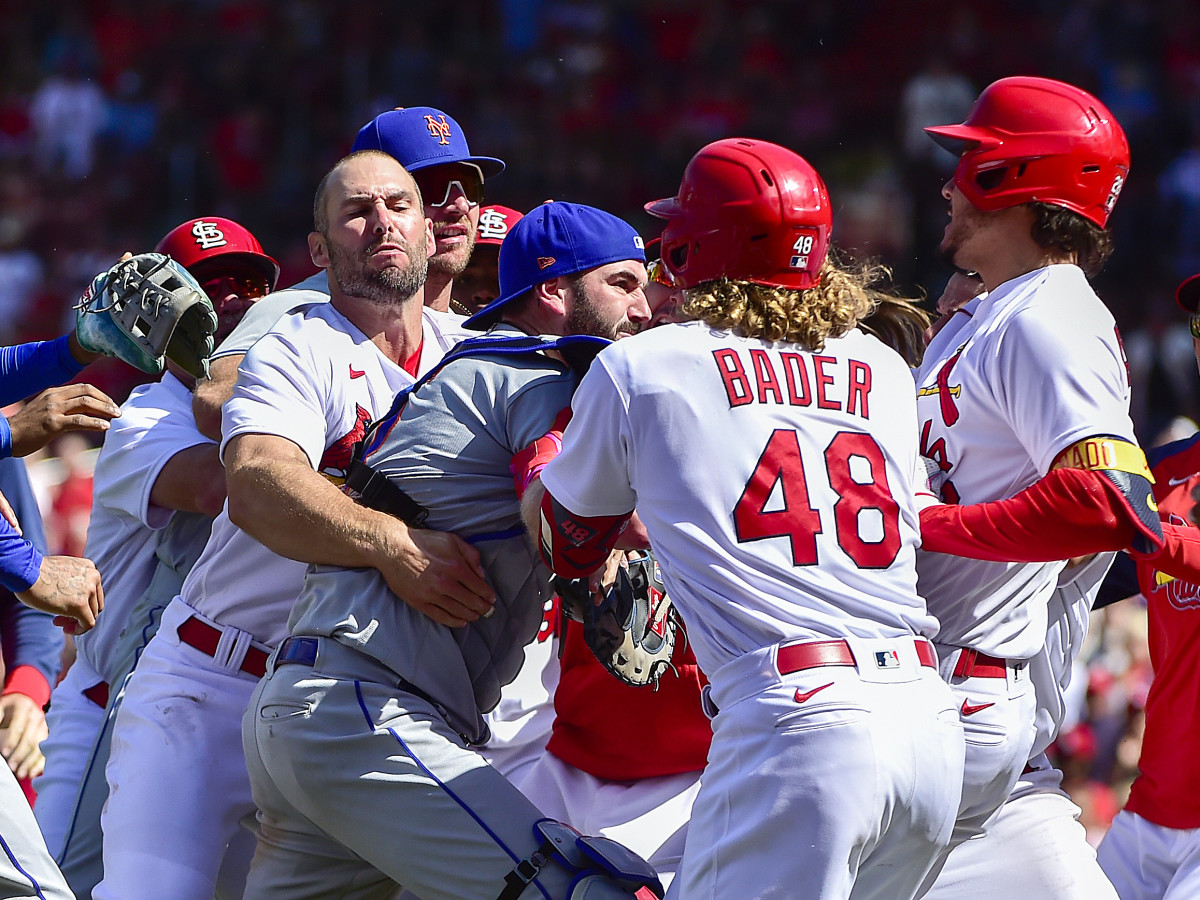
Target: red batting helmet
1034	139
747	210
212	245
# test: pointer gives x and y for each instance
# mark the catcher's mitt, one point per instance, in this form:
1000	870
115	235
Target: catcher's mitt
144	309
632	629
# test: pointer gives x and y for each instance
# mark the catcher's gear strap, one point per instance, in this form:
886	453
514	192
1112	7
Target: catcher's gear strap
576	546
372	489
527	464
1124	464
1179	556
1068	513
584	857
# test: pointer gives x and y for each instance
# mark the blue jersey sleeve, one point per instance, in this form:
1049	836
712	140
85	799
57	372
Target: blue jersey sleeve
29	636
27	369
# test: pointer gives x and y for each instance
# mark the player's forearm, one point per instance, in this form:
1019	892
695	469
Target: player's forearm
193	480
212	392
297	513
1068	513
1180	555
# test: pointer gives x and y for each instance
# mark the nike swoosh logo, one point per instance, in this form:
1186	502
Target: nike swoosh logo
802	696
355	373
1176	482
969	710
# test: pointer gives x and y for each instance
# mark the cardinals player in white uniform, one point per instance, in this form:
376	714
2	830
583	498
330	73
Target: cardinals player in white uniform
177	778
1025	390
158	484
836	748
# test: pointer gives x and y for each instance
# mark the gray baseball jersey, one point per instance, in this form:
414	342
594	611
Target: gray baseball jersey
450	451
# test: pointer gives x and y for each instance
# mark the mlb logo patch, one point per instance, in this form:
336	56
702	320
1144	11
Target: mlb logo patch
798	262
887	659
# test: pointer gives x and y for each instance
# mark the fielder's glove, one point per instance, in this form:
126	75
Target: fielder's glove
632	629
145	309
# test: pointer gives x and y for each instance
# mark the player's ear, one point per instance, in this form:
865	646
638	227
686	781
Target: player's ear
317	250
552	294
430	243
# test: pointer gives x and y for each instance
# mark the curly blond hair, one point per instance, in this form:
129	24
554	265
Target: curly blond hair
840	300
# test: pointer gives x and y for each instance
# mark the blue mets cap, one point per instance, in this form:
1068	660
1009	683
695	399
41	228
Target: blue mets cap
557	239
420	136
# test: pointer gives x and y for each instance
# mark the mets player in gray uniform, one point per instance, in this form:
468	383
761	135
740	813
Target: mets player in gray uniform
361	739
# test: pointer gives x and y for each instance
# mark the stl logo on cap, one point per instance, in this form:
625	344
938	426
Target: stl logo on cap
439	128
208	235
493	224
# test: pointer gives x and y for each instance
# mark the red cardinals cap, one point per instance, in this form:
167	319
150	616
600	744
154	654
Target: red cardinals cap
421	136
1187	294
494	224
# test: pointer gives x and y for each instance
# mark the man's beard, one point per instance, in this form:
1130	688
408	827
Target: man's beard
386	287
452	264
584	319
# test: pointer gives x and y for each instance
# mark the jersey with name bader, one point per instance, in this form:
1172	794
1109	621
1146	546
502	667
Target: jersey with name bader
1016	377
778	486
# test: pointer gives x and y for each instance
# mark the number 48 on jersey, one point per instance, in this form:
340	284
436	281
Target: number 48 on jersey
781	465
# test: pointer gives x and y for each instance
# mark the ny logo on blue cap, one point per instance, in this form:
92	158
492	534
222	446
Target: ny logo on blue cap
439	128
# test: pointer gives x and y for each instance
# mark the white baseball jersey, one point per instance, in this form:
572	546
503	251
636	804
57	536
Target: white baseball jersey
1014	379
316	380
812	512
155	424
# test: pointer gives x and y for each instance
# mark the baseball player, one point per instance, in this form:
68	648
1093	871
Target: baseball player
432	147
1151	850
158	485
177	781
67	587
1025	390
360	741
835	749
478	284
439	151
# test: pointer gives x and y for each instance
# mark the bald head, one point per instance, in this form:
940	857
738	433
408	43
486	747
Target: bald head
335	177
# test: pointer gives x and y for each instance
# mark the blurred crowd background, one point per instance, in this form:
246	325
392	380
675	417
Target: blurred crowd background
121	118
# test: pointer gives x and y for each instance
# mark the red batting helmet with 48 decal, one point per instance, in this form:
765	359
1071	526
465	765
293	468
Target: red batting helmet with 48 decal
746	210
1034	139
214	243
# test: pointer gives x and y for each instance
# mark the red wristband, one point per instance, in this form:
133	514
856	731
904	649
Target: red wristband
28	681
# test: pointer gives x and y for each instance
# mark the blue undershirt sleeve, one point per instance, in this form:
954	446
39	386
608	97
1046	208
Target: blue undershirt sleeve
27	369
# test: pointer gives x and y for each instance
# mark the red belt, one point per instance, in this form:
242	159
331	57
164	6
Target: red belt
973	664
199	634
811	654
